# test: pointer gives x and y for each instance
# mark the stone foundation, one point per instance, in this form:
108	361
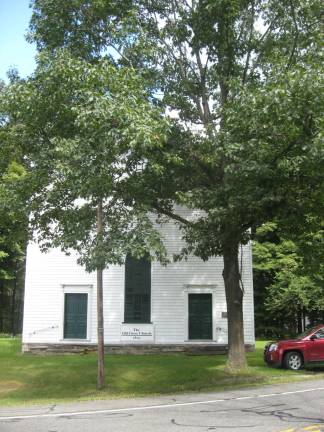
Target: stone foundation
131	349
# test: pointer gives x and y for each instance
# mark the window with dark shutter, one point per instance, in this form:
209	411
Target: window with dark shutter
137	290
75	316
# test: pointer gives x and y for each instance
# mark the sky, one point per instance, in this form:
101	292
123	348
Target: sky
15	51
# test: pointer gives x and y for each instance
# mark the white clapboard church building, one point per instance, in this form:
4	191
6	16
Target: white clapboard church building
147	307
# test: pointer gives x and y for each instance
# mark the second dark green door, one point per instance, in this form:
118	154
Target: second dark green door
200	316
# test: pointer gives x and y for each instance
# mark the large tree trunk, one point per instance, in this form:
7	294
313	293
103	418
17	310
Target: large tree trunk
100	319
234	300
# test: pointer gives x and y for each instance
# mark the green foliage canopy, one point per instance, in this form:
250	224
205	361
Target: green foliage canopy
85	130
242	77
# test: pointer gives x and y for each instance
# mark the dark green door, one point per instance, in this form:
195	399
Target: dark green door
200	316
75	316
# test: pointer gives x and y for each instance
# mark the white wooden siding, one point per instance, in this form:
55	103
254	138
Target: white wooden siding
48	274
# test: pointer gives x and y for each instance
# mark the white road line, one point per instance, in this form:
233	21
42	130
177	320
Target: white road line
151	407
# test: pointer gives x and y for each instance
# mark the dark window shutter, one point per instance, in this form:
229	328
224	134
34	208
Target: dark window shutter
75	316
137	290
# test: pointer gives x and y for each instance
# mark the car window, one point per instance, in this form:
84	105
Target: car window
320	334
305	333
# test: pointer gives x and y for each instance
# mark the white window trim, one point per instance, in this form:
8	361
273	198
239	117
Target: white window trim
77	289
199	289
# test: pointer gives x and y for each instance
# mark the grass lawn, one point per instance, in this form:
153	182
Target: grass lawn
31	379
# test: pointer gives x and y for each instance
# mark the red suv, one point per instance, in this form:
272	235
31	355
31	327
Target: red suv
308	348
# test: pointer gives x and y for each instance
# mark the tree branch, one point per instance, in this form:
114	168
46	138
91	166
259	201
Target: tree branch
183	62
121	54
172	215
293	50
204	97
261	40
250	48
180	62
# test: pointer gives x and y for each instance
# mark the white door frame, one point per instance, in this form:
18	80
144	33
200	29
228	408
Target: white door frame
199	289
77	289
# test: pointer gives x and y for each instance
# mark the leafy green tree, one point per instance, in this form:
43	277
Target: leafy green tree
241	79
85	130
12	257
289	280
13	237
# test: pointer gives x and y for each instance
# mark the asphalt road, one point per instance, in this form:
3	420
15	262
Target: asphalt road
281	408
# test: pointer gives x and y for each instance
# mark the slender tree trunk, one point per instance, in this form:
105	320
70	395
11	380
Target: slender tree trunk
13	302
304	320
300	321
1	305
234	300
100	322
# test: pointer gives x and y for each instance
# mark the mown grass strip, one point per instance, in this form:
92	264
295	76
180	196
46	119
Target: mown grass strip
31	379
